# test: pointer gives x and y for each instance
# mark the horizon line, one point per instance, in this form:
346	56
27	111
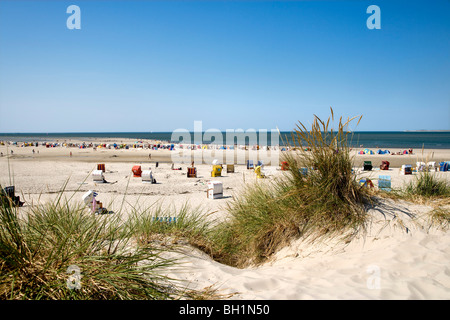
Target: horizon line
147	132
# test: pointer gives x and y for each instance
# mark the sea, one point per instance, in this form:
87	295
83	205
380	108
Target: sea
365	139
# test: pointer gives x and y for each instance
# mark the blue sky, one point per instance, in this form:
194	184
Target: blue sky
144	66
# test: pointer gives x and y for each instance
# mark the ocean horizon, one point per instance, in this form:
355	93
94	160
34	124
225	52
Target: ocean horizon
366	139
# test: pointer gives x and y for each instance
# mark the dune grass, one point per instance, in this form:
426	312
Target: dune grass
171	225
328	200
61	251
440	217
427	184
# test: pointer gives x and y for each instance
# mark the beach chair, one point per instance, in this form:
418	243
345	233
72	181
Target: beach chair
431	166
250	164
90	201
384	165
215	190
8	196
137	171
259	173
367	166
406	169
303	171
420	166
95	206
89	197
147	176
365	182
164	219
192	172
384	183
230	168
216	170
284	166
101	167
97	176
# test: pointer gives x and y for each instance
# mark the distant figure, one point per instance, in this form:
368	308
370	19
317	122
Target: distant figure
157	165
1	154
149	155
12	152
71	153
410	151
33	151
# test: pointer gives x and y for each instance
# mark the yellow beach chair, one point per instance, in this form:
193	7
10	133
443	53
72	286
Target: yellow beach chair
259	173
216	171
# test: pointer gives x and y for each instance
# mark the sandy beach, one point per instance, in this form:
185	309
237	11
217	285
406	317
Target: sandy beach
398	258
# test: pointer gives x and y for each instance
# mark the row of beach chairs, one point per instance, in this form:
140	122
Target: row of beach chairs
407	169
147	175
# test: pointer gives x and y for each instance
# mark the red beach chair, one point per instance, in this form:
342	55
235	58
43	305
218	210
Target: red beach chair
137	171
284	166
384	165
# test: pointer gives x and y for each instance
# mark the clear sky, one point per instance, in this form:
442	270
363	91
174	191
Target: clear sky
140	66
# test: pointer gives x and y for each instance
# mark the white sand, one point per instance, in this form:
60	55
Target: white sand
397	259
388	263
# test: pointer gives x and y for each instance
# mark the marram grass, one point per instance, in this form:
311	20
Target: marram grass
61	251
328	200
428	184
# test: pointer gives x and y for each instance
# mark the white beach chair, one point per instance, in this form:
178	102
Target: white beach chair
98	176
420	166
147	176
215	190
88	197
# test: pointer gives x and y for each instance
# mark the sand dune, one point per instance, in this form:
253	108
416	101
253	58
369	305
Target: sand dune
399	257
389	262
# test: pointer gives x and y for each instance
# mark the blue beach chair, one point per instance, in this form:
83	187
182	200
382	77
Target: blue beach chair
384	183
303	171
